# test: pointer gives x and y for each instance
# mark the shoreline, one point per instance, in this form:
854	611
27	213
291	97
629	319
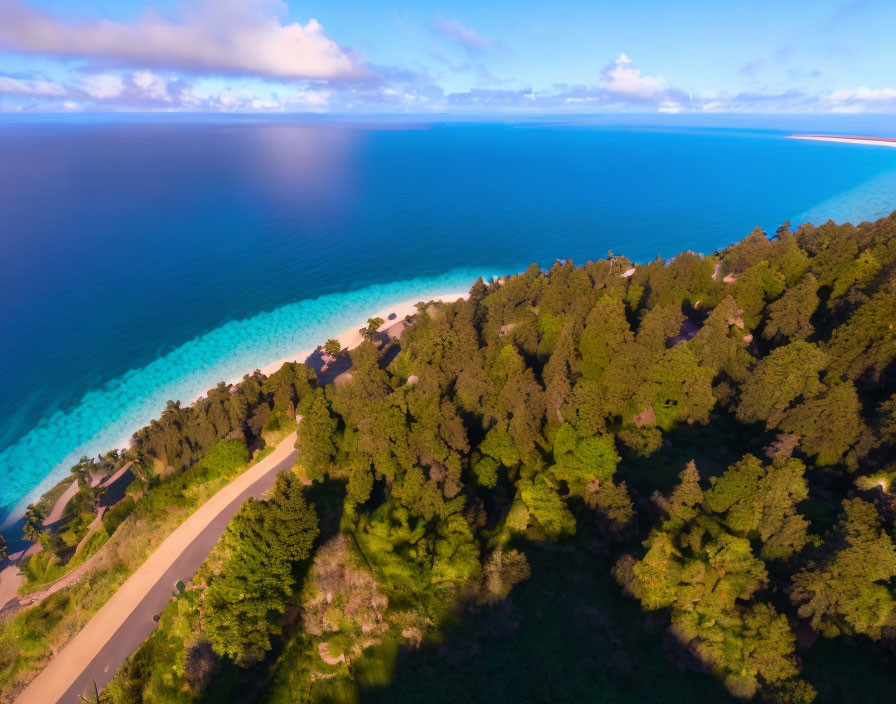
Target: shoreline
351	337
847	139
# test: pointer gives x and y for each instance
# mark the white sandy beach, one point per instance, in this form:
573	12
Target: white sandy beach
351	337
872	141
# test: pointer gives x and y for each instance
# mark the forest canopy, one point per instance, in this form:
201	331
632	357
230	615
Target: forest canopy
717	432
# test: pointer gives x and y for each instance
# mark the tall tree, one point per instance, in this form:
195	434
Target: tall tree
786	374
244	604
790	316
848	588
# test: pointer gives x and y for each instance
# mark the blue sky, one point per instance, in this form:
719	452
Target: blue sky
431	56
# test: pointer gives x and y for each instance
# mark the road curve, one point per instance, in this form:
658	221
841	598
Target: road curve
124	622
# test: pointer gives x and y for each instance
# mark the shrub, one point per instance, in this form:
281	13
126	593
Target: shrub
115	515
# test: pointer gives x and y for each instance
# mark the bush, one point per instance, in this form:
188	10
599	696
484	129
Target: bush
115	515
223	460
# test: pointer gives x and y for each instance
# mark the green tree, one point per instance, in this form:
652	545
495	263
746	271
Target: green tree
289	385
748	252
866	342
787	373
583	462
315	438
758	502
790	316
848	588
34	523
828	424
545	504
681	389
756	286
707	577
559	373
720	343
333	347
659	324
244	604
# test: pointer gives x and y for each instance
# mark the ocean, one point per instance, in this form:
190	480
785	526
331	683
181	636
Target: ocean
145	259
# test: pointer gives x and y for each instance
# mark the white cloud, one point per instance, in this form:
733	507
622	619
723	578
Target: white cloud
103	85
625	85
228	100
152	85
258	104
625	79
318	98
211	36
863	99
30	87
672	108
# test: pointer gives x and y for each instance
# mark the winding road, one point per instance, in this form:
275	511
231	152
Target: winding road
126	620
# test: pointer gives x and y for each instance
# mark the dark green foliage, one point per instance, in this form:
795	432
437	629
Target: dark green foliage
748	252
866	342
790	316
547	408
759	501
846	589
786	374
289	385
827	423
115	515
223	460
700	565
333	347
314	439
263	543
183	435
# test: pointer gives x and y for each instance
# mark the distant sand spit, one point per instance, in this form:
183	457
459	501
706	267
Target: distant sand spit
873	141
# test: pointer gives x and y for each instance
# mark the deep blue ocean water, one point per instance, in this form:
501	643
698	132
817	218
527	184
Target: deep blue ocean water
144	260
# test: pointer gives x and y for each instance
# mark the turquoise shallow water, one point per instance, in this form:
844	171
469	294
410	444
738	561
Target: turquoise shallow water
144	261
107	416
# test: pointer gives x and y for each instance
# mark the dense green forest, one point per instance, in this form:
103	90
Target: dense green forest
614	483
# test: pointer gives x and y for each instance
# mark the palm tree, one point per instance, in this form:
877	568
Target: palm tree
34	522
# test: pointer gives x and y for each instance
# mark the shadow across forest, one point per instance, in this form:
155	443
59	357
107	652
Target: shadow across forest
567	634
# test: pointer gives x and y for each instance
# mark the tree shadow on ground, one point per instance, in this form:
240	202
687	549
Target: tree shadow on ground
713	447
565	635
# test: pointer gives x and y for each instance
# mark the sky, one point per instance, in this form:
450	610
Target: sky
434	56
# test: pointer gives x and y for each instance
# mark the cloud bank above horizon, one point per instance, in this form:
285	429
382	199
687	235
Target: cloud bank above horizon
275	56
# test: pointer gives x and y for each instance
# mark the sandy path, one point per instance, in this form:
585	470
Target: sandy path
147	590
61	503
10	581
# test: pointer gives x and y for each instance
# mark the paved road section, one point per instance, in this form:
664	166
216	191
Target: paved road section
125	621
